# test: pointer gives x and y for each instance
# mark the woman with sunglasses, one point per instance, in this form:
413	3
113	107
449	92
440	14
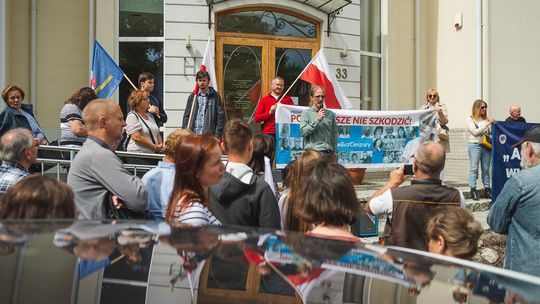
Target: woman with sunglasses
433	102
318	125
479	124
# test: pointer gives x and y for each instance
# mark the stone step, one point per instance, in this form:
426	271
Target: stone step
366	190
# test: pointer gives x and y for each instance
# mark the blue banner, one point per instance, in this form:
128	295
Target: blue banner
106	75
505	159
366	138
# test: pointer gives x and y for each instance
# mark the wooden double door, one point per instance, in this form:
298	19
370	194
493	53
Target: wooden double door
248	64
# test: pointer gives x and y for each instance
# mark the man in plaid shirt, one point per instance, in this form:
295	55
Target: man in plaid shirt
19	151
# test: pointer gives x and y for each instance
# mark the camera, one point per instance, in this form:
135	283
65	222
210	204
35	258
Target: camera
408	169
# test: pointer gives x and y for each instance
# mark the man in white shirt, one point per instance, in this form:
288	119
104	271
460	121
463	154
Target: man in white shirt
410	207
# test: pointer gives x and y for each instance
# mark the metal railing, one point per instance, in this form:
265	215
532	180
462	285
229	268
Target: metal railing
65	155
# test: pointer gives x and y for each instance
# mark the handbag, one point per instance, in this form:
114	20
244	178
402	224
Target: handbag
111	212
442	133
485	141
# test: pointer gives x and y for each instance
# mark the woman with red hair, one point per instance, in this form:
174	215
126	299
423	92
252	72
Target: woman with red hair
198	166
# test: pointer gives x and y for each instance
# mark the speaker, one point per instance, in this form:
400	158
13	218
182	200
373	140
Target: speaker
367	225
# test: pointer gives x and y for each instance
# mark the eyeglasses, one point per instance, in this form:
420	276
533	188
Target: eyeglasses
483	107
432	96
319	97
15	98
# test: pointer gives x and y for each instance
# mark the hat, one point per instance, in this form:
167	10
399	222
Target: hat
533	134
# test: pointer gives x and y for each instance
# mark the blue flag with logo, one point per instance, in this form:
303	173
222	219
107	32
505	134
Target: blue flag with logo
505	159
106	75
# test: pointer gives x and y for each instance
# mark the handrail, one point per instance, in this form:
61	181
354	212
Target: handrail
60	164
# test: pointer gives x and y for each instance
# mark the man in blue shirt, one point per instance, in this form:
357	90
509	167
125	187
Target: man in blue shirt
517	209
159	181
19	151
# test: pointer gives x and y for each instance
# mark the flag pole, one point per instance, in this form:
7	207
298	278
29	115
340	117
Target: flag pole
299	75
191	112
134	87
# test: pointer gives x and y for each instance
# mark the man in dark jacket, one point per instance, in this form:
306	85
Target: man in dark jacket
242	198
204	110
146	83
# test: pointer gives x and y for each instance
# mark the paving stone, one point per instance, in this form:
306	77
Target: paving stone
489	255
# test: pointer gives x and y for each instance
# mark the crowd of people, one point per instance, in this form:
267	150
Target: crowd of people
193	186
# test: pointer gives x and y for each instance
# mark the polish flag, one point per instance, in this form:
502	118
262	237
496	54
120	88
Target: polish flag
319	73
208	65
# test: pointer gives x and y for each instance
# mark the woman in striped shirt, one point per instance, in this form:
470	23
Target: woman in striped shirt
198	166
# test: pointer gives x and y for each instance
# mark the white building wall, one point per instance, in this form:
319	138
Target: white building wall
190	17
455	59
514	57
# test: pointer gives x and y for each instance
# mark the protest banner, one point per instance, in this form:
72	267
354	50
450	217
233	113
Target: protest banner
505	159
366	138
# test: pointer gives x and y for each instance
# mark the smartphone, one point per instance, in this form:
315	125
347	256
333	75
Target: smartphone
408	170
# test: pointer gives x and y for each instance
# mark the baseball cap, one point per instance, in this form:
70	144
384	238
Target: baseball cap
533	134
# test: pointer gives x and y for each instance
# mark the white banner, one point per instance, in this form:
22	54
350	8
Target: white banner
366	138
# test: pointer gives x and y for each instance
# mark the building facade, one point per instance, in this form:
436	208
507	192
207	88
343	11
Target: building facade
385	53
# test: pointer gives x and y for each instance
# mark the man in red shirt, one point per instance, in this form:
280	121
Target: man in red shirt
267	107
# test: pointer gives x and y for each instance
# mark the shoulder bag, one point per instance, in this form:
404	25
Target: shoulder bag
485	140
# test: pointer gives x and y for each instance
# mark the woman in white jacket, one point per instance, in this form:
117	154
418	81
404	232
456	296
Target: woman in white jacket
479	124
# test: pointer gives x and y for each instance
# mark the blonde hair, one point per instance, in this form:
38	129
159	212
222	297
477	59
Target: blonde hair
476	109
295	178
174	139
459	230
431	92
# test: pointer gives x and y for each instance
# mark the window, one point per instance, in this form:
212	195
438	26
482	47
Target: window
370	54
267	23
140	44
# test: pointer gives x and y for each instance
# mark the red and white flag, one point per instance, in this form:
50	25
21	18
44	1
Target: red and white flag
208	65
319	73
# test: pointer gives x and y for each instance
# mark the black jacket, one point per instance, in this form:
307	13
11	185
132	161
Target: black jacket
214	117
162	115
253	204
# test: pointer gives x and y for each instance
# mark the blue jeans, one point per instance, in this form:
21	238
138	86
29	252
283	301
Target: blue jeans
478	154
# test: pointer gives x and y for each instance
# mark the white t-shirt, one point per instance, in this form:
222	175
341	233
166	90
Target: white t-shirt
134	124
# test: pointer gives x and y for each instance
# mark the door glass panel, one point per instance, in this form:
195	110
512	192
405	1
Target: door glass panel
289	64
241	79
137	57
267	23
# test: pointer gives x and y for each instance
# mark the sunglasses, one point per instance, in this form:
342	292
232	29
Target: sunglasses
483	107
432	96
